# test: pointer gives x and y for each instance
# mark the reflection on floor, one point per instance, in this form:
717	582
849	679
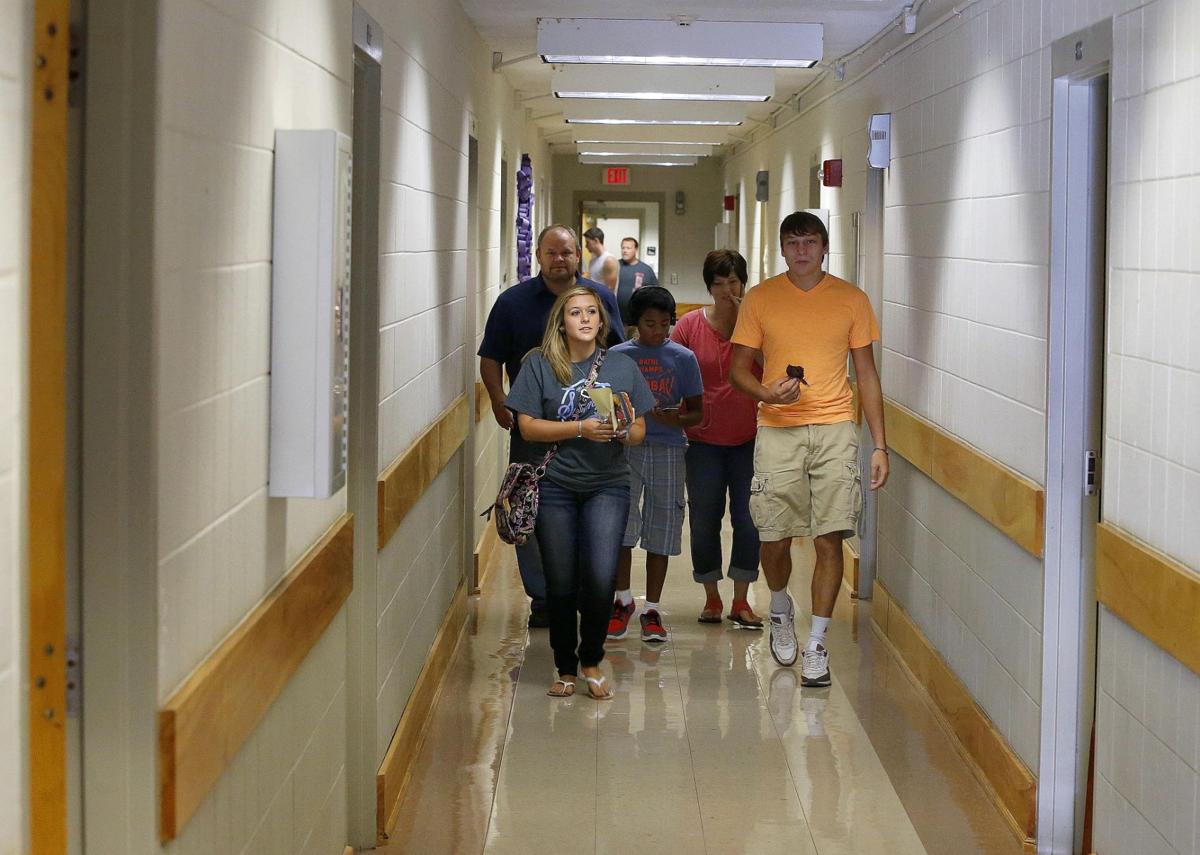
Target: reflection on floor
708	747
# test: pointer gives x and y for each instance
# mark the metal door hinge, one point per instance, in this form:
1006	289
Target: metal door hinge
74	675
1091	473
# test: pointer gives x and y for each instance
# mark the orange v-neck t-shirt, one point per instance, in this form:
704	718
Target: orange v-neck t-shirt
814	329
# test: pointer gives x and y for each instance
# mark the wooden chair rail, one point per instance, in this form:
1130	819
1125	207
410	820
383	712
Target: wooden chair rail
396	769
999	494
850	568
1152	592
483	404
1012	785
208	719
401	485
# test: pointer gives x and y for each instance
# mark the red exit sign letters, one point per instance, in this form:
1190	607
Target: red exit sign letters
616	175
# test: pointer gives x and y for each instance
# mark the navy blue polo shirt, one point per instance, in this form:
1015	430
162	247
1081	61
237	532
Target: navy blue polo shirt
517	321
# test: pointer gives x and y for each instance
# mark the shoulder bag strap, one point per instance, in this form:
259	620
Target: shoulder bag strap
588	383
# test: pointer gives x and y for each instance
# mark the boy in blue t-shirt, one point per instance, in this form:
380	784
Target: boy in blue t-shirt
656	466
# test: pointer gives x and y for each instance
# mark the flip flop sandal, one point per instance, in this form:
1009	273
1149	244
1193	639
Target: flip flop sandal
742	615
599	689
567	690
711	612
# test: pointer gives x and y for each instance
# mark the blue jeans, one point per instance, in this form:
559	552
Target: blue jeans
579	533
529	562
713	471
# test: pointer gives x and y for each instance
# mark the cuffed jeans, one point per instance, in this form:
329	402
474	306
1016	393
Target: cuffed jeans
579	533
713	471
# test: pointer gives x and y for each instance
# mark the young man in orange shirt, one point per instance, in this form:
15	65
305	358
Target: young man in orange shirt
806	473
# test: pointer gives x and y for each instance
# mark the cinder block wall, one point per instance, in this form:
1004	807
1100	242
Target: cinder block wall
964	320
949	352
439	90
1148	724
231	74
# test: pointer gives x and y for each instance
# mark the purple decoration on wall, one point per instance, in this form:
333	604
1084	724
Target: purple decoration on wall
524	217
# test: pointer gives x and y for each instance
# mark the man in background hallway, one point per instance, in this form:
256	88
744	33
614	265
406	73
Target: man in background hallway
603	267
806	477
634	273
514	327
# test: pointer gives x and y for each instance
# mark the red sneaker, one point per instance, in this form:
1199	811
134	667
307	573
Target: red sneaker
618	624
652	627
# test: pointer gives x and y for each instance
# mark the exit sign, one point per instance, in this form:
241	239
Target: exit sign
616	175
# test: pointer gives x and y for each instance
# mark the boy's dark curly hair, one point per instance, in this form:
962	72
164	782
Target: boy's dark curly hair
650	297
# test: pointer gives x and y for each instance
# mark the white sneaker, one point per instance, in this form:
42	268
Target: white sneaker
783	637
814	670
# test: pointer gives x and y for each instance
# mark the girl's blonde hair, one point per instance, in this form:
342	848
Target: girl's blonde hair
554	340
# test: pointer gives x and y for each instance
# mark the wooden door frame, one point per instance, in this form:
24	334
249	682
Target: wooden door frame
45	475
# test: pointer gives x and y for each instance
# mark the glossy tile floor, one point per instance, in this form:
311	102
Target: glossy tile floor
709	746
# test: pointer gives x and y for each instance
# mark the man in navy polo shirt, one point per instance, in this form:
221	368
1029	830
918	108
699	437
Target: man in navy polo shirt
515	326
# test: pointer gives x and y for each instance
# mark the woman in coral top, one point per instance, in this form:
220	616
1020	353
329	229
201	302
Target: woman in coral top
720	454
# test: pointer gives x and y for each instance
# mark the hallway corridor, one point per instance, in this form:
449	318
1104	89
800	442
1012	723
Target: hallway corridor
709	746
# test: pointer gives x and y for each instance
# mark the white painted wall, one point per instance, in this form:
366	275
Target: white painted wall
964	329
975	594
963	314
438	88
230	75
1148	724
15	25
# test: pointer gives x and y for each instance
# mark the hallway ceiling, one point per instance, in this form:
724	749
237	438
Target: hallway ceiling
510	27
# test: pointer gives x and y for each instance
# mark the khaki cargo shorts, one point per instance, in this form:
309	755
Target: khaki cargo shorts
806	481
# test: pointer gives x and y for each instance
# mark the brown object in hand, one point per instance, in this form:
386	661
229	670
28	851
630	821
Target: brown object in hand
796	372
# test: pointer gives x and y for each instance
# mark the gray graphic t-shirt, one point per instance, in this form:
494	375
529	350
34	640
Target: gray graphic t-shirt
580	464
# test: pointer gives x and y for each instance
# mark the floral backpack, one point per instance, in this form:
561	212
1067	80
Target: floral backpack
516	504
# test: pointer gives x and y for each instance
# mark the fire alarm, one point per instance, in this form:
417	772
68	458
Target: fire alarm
831	173
730	202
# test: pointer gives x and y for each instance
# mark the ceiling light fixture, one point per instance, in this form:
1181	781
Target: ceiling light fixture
644	148
709	122
595	160
656	154
660	96
670	143
671	84
745	44
651	134
654	112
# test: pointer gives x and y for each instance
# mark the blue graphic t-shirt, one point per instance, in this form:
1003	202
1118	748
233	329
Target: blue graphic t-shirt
580	464
672	373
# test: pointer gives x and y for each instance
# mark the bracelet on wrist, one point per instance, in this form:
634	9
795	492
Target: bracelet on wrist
884	450
579	429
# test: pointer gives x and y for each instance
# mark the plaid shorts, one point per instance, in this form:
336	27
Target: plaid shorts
656	480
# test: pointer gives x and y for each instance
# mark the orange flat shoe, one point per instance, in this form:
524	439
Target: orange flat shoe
711	613
741	614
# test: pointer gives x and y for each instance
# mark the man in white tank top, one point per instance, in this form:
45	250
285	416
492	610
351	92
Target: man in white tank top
603	267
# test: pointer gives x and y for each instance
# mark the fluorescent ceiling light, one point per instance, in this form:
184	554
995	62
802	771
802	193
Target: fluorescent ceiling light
651	122
652	134
640	142
620	154
655	112
635	161
717	43
660	96
644	148
673	84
